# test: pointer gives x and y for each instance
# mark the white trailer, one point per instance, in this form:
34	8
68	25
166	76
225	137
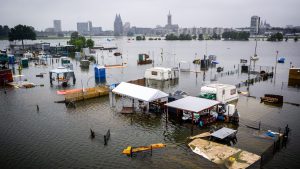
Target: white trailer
161	73
221	92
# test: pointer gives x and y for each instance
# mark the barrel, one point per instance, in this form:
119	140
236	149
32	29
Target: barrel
24	62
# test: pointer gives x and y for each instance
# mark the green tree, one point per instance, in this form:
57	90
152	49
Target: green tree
74	35
215	37
22	32
194	37
4	31
200	37
236	35
90	43
140	38
78	41
276	37
296	39
171	37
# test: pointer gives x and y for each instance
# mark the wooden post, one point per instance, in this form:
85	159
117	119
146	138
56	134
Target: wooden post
192	128
259	125
151	150
105	141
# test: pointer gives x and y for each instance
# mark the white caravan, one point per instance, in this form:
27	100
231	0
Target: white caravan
221	92
161	73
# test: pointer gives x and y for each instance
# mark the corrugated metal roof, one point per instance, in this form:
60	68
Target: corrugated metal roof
192	104
223	133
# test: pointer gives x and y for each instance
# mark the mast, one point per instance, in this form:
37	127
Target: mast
255	46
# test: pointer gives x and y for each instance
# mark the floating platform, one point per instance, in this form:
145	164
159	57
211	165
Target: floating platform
228	157
88	93
114	66
129	150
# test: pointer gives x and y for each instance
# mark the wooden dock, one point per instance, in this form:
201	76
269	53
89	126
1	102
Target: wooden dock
88	93
228	157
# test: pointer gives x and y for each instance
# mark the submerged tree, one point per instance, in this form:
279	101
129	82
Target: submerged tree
276	37
296	39
22	32
200	37
90	43
80	42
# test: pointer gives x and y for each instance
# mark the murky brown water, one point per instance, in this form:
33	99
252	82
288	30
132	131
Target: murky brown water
57	137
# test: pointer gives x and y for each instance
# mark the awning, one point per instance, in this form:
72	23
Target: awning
60	70
223	133
139	92
193	104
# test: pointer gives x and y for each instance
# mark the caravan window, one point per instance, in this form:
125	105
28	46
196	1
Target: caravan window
233	91
154	73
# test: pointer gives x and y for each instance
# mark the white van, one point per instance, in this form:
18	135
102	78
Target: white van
221	92
161	73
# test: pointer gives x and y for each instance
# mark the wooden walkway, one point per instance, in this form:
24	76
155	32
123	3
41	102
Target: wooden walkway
88	93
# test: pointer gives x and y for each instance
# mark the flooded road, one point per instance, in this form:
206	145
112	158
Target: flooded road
58	137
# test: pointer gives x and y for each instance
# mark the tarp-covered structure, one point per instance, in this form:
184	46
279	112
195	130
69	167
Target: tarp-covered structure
67	73
193	104
139	92
223	133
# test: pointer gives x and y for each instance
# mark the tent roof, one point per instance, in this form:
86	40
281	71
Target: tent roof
223	133
61	70
138	92
193	104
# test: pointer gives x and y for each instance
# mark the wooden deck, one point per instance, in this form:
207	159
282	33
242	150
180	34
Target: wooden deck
228	157
88	93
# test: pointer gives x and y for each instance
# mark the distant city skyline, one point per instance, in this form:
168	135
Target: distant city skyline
143	13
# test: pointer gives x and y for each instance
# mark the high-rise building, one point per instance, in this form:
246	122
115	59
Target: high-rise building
90	26
171	28
169	19
255	25
83	28
118	26
57	25
126	28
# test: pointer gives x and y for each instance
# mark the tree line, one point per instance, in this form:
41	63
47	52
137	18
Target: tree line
232	35
180	37
4	31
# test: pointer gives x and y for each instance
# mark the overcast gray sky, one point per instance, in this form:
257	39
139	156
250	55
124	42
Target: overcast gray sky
148	13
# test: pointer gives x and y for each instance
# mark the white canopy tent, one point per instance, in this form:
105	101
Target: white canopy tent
139	92
193	104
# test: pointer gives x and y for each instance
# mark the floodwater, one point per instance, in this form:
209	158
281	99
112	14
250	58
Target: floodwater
58	137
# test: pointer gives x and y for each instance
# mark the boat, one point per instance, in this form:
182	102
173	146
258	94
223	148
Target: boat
84	63
220	69
143	59
129	150
272	98
117	54
281	60
255	56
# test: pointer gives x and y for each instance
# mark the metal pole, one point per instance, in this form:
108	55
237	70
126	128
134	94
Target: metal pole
276	61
